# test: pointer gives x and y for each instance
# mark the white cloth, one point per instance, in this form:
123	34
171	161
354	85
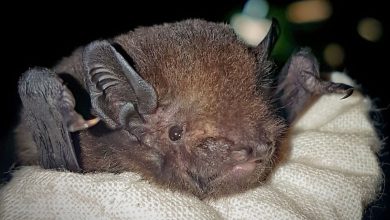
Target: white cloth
331	172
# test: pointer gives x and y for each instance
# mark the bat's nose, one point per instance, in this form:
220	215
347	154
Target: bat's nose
216	144
251	152
229	152
242	154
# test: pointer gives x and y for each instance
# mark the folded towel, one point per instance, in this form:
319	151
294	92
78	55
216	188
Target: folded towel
331	172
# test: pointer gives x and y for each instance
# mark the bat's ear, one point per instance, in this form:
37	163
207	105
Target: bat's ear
118	93
265	47
300	79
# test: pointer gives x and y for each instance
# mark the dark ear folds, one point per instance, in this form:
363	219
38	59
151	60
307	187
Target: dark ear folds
300	79
118	93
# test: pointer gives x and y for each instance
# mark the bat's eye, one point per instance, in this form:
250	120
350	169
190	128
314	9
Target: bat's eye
175	133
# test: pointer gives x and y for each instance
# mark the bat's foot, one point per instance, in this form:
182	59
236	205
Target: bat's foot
338	88
300	80
318	86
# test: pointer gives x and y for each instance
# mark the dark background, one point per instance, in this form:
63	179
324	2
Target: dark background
39	35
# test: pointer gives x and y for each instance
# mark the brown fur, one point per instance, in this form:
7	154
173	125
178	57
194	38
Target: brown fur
207	81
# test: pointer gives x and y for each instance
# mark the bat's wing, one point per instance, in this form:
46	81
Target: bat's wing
48	110
300	80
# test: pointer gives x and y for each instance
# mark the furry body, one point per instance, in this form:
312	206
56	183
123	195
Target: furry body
203	120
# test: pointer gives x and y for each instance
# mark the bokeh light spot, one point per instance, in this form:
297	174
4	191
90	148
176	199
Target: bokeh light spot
256	8
334	55
370	29
309	11
249	29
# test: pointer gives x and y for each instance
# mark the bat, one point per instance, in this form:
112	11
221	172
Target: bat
187	105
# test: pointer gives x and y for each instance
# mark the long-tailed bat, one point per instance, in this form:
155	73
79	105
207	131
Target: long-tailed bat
187	105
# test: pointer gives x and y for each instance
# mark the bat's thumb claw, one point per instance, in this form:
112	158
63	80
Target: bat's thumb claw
82	124
348	93
92	122
339	88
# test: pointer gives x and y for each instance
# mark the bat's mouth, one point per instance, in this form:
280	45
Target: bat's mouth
234	176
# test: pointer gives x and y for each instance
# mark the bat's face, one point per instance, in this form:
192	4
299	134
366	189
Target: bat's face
212	132
205	124
212	142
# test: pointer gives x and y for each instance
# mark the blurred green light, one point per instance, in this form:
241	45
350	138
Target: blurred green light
256	8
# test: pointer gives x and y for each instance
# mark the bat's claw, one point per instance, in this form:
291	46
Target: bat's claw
75	122
80	124
348	93
339	88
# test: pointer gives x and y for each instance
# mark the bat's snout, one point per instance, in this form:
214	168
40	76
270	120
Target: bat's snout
222	161
227	153
250	152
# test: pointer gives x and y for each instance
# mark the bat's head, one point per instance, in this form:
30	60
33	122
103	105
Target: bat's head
194	103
